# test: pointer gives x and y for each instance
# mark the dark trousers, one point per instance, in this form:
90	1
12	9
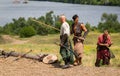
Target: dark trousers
67	56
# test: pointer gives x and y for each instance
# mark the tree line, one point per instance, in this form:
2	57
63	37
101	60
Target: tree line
91	2
28	27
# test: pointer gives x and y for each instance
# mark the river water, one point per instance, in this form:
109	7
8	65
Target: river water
87	13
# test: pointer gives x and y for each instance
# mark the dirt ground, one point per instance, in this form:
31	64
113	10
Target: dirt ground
13	40
27	67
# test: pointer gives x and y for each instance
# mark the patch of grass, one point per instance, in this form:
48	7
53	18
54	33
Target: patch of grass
45	44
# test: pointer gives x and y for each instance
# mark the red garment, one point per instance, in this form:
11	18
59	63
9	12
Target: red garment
103	53
100	39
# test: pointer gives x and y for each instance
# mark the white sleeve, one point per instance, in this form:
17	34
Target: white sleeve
65	29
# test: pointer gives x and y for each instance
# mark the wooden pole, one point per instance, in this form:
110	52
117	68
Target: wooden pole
45	24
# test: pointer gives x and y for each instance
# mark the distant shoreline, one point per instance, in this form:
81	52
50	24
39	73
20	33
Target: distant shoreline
100	3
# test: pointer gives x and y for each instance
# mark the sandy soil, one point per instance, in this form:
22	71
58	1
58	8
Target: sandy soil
27	67
13	40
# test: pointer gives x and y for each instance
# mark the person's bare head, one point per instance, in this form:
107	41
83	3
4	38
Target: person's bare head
62	18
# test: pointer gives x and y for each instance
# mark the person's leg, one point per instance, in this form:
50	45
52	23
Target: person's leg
68	56
80	53
65	58
107	57
103	61
78	49
97	63
71	59
80	61
63	54
98	59
108	61
76	62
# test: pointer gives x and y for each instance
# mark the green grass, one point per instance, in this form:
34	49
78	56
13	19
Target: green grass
45	44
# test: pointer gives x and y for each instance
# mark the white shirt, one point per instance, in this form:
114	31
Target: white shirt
65	29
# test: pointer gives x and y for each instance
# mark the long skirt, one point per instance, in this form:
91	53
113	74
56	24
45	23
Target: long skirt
78	48
67	54
101	54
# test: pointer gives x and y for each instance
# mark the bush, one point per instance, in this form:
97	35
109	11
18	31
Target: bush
27	31
110	22
88	26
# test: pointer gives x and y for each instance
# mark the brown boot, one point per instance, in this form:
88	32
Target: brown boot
80	61
76	62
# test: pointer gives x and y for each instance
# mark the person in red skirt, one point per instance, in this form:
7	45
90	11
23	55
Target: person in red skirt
103	52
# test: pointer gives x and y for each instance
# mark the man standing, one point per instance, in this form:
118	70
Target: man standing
78	38
65	45
103	52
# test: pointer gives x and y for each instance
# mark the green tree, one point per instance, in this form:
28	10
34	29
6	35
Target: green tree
19	24
27	31
49	18
110	22
1	29
88	26
93	2
8	28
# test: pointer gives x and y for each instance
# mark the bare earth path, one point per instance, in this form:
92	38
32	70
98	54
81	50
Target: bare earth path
26	67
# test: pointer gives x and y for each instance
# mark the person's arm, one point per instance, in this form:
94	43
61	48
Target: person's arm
109	41
63	39
64	35
85	30
72	29
100	42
